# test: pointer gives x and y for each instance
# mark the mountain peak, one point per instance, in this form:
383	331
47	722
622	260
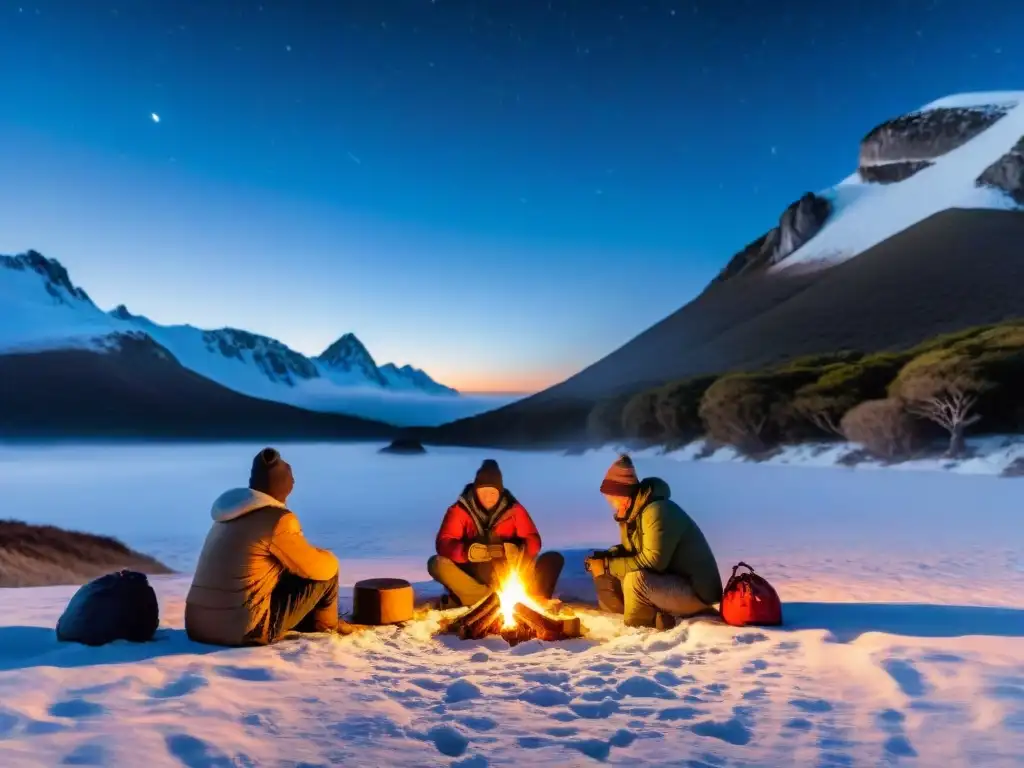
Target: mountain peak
408	377
55	277
348	355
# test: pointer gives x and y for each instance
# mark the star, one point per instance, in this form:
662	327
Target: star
156	117
288	48
775	150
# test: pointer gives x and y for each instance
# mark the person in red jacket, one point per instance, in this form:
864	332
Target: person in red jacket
482	534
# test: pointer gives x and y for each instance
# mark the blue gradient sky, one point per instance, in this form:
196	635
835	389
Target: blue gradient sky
497	192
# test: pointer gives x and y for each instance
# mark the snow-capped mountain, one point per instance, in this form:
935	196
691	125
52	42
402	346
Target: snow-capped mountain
42	310
961	151
347	357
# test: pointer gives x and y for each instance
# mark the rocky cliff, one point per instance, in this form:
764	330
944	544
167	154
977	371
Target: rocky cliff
798	224
899	148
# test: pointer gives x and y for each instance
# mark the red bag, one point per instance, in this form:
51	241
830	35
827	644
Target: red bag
750	599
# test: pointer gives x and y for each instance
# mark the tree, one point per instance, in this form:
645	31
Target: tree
736	410
678	408
943	387
604	422
823	412
824	402
639	417
882	427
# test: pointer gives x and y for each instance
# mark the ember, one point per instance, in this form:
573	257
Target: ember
512	613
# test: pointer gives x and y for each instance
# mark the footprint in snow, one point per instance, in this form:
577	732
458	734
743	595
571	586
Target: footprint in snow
545	696
731	731
76	708
678	713
813	706
249	674
547	678
601	711
481	724
642	688
184	685
906	676
87	754
195	752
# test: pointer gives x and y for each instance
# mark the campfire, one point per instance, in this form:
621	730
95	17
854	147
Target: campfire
514	615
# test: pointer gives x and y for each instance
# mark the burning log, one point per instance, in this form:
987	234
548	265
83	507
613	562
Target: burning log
486	607
547	627
514	615
481	624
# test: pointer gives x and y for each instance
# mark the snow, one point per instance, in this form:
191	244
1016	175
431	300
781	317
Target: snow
902	592
865	214
33	320
991	455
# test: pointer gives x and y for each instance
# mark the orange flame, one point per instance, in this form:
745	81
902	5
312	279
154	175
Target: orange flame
512	591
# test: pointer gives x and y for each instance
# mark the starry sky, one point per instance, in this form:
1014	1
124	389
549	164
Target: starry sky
499	192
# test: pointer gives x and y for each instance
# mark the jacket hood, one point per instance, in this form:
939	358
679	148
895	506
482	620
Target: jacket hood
652	489
658	488
232	504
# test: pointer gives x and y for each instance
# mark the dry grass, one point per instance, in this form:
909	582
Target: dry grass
43	555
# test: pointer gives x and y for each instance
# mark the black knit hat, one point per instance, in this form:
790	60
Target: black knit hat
489	475
271	475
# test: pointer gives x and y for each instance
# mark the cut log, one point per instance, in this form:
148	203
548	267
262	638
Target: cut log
473	614
571	628
481	623
545	627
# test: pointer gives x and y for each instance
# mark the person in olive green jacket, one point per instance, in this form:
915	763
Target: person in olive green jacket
664	567
258	577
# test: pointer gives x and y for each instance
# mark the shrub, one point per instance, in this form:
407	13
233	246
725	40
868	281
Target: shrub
823	403
736	410
986	365
882	427
640	419
604	422
677	408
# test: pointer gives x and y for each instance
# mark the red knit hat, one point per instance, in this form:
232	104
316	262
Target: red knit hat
620	479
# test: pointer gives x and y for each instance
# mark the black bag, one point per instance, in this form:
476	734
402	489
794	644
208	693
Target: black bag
118	606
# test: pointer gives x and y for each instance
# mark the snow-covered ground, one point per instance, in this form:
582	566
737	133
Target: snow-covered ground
865	214
903	644
990	455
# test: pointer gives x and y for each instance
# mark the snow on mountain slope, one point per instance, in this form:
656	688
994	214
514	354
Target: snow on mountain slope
867	213
409	378
41	309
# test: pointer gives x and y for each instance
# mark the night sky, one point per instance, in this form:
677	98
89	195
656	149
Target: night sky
497	191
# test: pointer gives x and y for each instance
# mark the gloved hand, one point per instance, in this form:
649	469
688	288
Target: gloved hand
497	551
512	552
478	553
596	566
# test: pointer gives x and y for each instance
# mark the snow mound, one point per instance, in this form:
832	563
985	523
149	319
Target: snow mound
865	214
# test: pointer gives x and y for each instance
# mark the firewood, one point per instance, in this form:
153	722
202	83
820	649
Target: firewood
480	623
571	628
545	627
473	614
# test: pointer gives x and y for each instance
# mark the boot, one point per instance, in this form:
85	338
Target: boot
664	621
447	601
